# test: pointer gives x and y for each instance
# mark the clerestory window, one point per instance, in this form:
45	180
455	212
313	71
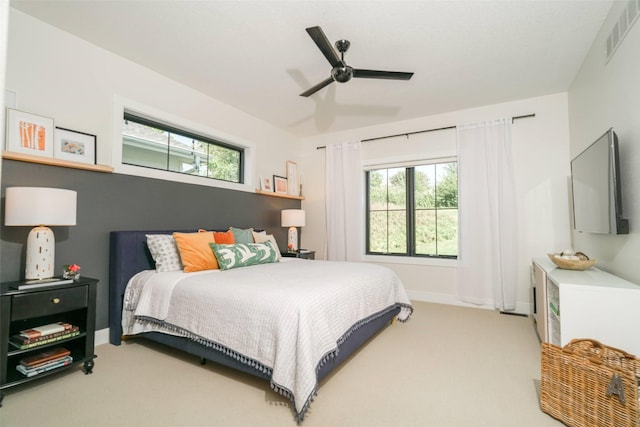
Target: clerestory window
152	144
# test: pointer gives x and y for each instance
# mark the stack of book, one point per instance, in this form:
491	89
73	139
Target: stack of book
45	334
44	361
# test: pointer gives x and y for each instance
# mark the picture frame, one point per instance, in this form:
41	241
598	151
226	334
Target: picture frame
266	184
293	188
280	184
74	146
29	133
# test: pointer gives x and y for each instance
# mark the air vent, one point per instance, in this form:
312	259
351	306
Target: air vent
621	28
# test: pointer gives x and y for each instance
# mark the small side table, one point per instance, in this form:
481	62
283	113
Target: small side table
73	303
304	254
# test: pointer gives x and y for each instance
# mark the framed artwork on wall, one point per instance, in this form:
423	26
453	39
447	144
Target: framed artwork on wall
74	146
280	184
293	188
265	184
29	134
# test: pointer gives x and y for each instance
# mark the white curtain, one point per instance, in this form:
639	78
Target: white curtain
487	255
343	187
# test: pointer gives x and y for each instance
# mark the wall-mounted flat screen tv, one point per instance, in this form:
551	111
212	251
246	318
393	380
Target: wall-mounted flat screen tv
597	196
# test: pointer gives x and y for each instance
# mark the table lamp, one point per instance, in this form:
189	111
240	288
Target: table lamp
40	206
292	218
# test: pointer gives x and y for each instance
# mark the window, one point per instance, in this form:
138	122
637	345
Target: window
156	145
413	211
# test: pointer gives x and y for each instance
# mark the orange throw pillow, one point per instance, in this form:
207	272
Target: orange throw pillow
224	237
195	252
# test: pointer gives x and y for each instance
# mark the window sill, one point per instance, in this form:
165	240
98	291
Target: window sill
286	196
431	262
55	162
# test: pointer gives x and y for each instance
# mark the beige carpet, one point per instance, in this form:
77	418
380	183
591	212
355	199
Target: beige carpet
447	366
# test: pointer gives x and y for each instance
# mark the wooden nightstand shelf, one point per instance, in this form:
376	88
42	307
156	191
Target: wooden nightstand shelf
73	303
304	254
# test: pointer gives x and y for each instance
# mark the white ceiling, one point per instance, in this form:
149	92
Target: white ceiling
257	57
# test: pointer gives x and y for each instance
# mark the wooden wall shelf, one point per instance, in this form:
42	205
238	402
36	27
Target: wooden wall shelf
284	196
55	162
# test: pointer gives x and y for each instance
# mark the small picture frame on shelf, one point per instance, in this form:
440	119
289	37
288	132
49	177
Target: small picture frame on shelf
280	184
293	188
74	146
265	184
29	134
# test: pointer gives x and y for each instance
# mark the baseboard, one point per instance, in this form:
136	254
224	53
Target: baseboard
448	299
101	337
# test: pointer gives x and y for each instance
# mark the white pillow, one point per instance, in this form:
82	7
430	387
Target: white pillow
164	252
261	238
259	233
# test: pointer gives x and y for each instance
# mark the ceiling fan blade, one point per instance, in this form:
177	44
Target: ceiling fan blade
375	74
317	87
324	45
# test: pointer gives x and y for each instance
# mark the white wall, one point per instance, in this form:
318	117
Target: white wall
541	159
605	95
58	75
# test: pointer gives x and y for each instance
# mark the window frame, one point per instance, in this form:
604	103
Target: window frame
122	104
156	124
410	208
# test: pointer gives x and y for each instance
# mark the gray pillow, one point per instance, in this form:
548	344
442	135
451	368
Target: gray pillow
164	252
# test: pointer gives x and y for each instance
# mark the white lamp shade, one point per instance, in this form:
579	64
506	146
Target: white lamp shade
293	218
39	206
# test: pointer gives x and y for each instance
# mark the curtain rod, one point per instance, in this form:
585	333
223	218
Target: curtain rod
428	130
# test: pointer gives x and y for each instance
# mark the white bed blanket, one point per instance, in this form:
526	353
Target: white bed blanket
284	318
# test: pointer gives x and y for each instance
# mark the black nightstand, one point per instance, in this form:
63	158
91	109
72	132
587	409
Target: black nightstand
304	254
73	303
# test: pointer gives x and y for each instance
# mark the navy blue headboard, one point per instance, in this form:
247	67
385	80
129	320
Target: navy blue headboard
128	255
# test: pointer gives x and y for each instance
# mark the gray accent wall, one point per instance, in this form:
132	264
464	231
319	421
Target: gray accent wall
109	202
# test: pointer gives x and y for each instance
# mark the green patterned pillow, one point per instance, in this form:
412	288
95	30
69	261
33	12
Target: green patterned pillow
244	254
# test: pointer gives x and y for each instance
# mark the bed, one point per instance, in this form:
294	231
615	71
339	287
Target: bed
290	322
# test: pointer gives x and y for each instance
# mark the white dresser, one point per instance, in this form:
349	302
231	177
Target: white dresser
585	304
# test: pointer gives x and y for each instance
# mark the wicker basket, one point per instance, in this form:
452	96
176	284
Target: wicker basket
588	384
572	264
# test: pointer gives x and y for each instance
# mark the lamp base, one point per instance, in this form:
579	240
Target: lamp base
292	242
40	253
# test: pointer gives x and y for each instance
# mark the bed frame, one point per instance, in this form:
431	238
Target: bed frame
128	255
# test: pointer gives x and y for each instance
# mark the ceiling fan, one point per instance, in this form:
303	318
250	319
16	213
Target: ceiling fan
341	72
